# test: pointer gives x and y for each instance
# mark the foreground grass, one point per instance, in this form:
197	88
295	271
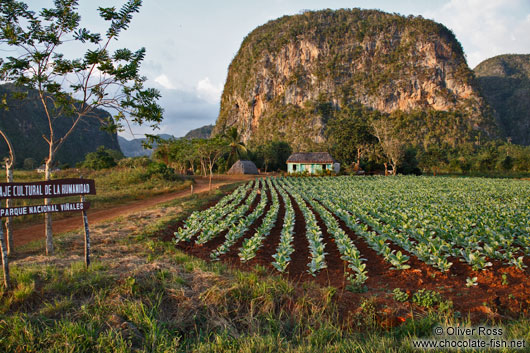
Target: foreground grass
141	294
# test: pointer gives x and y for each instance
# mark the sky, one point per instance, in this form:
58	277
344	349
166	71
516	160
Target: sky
190	44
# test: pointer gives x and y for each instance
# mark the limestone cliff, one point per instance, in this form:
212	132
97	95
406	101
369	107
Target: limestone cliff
505	82
291	73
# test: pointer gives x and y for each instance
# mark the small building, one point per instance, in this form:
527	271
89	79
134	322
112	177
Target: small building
243	167
312	163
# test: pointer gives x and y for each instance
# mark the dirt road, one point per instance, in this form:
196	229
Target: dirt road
24	235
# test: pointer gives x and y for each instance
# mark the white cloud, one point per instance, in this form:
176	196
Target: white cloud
487	28
209	91
164	81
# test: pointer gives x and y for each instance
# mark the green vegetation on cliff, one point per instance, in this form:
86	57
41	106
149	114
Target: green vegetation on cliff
505	82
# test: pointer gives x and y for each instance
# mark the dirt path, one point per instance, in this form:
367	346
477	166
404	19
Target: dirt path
25	235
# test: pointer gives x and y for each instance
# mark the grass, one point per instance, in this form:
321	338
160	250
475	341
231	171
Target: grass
142	295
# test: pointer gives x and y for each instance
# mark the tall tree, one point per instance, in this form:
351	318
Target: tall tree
273	155
237	148
432	158
73	88
350	134
392	145
210	151
162	152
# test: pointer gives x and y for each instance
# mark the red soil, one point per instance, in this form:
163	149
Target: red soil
492	298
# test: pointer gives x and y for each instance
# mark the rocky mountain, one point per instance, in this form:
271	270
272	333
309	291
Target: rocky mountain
203	132
291	74
135	147
505	82
24	122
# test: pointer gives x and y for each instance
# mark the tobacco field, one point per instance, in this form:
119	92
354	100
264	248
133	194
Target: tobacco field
468	238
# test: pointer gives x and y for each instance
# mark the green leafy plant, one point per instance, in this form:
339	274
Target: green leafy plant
101	159
426	298
160	170
400	296
471	282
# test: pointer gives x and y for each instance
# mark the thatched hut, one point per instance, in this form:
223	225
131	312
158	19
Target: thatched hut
243	167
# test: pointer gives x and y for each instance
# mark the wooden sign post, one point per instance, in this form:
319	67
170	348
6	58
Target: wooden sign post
5	261
87	234
40	190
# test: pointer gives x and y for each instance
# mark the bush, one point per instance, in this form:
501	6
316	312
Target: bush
135	162
426	298
400	296
101	159
29	164
162	171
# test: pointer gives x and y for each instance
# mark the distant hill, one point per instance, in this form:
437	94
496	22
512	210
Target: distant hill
505	82
202	132
24	122
135	148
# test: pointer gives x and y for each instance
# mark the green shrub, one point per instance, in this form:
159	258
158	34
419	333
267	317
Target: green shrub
400	296
101	159
160	170
135	162
30	163
426	298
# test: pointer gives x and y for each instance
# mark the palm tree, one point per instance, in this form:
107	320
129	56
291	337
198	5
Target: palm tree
237	148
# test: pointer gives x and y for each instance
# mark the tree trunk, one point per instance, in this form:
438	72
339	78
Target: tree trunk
386	168
87	235
10	163
358	164
5	261
9	203
210	183
203	167
47	201
394	168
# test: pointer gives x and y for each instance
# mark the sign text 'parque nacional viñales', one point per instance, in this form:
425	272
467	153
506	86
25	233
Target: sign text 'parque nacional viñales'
46	189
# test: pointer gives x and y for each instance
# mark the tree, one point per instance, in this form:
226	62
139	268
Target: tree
350	135
9	163
101	159
237	148
392	145
29	163
74	88
432	158
273	154
210	151
162	152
